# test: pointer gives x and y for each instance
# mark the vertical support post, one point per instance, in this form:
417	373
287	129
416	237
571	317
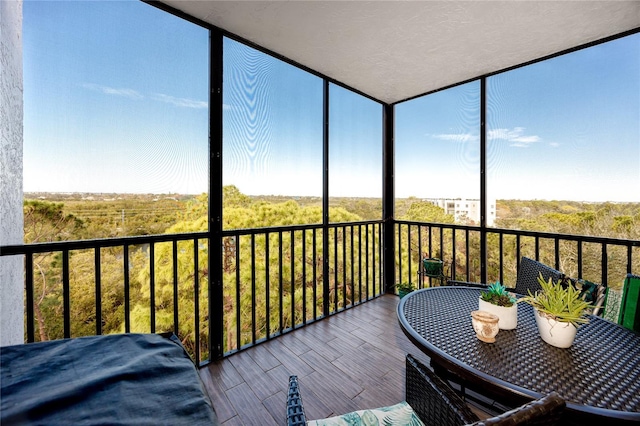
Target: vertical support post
605	266
152	286
28	273
579	251
127	289
388	198
66	295
98	274
325	199
483	180
216	334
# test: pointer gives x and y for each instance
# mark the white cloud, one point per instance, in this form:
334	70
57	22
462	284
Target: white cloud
127	93
180	102
135	95
457	137
515	136
526	139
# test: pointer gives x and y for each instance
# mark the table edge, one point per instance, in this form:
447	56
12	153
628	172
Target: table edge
433	352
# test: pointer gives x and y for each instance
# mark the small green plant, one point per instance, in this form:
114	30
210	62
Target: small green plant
404	289
559	303
497	294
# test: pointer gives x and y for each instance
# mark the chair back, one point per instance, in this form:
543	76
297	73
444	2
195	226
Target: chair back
528	273
545	411
629	316
436	403
432	399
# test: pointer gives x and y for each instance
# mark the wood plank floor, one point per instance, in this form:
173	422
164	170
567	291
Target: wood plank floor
352	360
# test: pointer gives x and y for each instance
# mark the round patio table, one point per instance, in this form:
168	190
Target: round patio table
598	376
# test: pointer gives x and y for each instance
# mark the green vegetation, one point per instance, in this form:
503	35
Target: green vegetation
559	303
108	215
250	281
612	220
88	216
405	287
615	220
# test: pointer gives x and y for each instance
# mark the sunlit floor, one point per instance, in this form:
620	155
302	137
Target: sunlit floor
350	361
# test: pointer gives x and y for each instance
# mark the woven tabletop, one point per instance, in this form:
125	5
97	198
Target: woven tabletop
601	369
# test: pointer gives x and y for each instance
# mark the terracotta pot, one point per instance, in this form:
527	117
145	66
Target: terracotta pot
485	325
508	316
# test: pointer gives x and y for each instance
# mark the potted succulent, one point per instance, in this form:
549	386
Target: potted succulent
559	310
404	289
498	301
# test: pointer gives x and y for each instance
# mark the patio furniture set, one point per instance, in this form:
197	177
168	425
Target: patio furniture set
596	379
150	377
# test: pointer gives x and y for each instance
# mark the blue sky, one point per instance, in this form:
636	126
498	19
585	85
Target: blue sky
113	103
116	100
563	129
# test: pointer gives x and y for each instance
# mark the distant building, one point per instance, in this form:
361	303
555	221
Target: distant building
465	211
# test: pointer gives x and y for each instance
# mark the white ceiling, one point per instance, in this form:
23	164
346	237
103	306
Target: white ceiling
393	50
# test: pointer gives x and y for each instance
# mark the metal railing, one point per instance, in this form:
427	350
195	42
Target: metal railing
274	280
598	259
118	284
284	277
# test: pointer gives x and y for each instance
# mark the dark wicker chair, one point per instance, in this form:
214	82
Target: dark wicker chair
527	278
438	405
528	272
432	399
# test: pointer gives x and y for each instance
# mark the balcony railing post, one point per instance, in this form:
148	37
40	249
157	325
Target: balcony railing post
388	199
31	335
176	317
66	295
605	265
152	286
483	181
215	262
97	268
325	199
196	300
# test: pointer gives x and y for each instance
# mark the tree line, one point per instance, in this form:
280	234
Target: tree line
247	264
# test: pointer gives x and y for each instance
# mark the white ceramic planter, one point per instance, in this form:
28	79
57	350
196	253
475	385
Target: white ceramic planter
558	334
508	316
